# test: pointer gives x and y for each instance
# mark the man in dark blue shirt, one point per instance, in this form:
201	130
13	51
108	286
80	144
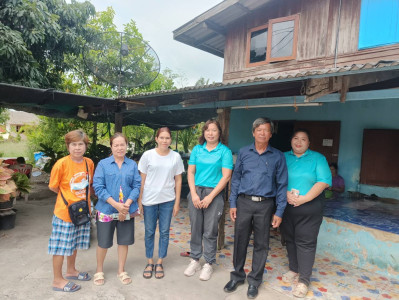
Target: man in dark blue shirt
259	180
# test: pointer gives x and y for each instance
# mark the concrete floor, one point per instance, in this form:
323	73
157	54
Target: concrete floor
26	268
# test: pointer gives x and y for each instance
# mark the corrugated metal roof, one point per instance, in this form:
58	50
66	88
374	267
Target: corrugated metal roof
281	77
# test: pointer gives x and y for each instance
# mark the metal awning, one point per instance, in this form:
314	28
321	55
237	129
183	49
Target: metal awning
185	107
53	103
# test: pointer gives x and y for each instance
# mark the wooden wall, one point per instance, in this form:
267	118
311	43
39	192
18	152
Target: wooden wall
316	39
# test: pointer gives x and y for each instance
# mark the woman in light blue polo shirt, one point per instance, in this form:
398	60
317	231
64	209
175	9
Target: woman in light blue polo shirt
209	171
308	176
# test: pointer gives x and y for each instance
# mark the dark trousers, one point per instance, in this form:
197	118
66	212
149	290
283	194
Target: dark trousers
300	228
256	217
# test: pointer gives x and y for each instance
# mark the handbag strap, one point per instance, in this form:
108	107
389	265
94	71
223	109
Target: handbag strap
87	187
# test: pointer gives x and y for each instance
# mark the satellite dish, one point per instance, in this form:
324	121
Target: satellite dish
121	59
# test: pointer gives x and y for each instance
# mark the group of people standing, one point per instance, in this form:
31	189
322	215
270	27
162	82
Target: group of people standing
267	187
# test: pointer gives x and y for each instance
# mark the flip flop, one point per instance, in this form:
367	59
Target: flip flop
70	287
161	272
82	276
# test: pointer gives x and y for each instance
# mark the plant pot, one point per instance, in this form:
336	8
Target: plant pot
4	197
7	219
6	205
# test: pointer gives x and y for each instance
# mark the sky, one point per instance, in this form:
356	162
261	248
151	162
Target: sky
156	20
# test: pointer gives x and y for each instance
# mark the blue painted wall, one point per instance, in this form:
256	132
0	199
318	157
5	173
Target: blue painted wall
354	116
379	23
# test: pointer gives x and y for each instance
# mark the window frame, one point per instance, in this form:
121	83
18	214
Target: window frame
269	27
248	54
294	18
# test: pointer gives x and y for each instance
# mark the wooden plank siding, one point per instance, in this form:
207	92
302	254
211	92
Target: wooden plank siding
316	39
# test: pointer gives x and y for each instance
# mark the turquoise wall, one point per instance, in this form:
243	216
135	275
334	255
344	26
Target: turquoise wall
366	248
354	116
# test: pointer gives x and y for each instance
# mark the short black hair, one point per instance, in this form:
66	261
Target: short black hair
305	131
21	160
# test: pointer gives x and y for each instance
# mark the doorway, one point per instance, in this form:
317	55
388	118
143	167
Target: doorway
324	136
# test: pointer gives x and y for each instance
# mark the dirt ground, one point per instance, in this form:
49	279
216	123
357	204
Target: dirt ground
26	268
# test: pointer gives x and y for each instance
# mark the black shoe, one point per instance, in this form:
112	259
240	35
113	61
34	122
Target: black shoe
231	286
252	291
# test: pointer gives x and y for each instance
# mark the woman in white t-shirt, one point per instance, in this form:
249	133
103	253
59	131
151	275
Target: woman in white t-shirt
161	178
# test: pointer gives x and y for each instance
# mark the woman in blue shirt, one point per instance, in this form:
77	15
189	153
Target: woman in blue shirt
209	171
308	176
117	186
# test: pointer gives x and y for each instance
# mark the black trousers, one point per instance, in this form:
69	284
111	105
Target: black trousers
256	217
300	228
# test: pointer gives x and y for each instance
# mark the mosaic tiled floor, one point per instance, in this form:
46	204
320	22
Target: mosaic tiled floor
330	280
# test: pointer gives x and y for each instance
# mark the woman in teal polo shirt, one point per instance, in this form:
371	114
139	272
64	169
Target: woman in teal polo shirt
308	176
209	171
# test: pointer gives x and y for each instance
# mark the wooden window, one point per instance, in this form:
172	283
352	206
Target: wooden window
257	45
380	160
275	41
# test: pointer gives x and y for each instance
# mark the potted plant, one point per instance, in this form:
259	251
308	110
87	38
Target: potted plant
7	191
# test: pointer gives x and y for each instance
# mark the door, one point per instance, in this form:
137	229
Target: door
324	137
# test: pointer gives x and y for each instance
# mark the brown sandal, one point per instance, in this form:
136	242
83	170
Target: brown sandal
147	274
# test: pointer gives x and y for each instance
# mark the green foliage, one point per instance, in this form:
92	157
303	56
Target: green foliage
22	182
34	37
97	152
51	132
189	136
142	137
4	115
49	135
202	81
53	155
9	148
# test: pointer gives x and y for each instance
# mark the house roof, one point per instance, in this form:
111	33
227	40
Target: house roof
190	105
208	30
22	118
290	78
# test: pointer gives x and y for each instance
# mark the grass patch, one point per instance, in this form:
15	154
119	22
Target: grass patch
14	149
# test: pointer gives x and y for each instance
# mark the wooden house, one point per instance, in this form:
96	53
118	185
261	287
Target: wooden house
330	66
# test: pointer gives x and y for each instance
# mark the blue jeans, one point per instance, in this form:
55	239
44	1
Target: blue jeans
152	213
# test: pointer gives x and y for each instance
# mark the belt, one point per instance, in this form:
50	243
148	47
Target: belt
256	198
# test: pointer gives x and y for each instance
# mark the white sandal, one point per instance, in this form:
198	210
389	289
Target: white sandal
290	277
97	277
300	290
124	276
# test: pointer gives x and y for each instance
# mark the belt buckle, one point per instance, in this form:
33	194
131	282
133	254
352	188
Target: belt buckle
256	198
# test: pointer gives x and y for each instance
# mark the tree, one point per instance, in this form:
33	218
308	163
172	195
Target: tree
80	80
189	136
35	36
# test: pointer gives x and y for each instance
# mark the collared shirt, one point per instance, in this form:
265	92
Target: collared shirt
306	170
209	164
108	179
262	175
